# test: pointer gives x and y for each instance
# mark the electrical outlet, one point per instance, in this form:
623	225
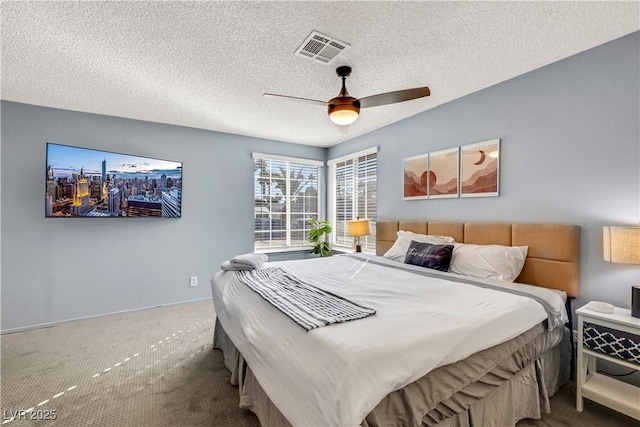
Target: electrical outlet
193	281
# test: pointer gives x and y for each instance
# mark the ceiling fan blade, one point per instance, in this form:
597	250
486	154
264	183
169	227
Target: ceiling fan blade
393	97
295	98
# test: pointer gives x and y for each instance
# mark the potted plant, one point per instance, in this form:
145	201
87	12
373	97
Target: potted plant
318	235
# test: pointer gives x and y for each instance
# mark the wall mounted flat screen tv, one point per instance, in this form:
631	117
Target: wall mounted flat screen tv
83	182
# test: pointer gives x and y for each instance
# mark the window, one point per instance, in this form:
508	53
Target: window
286	196
354	184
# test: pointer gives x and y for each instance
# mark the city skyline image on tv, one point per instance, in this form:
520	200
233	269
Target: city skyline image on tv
84	182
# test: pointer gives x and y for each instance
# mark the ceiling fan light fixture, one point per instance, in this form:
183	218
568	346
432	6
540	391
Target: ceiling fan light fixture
343	116
344	110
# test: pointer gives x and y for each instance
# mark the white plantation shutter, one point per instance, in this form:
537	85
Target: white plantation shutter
354	195
287	194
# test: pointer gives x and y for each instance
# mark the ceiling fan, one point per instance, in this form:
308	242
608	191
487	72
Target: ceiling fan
344	109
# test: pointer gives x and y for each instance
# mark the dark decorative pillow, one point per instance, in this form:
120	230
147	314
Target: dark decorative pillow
429	255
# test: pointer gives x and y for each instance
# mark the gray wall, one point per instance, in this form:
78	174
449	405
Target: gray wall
56	269
570	154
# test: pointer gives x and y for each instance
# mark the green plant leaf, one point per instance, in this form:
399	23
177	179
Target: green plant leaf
319	229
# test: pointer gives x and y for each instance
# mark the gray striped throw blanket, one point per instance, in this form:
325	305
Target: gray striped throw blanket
307	305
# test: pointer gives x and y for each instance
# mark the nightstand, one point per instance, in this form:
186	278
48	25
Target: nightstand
615	338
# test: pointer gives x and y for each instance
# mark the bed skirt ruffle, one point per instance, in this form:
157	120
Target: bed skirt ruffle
496	387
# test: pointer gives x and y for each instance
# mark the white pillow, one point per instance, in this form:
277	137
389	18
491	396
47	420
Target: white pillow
399	249
488	261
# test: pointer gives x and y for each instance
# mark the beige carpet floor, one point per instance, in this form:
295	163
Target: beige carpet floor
156	368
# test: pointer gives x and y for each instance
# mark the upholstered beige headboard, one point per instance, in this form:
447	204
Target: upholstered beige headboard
552	259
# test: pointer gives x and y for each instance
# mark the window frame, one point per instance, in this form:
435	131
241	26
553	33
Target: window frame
288	246
332	197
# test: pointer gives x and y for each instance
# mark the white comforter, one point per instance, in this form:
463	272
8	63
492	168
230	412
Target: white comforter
336	375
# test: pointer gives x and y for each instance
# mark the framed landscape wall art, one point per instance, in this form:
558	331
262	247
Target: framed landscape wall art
443	173
415	177
480	169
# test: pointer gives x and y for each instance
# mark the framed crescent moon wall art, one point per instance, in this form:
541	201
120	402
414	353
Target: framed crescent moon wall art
480	169
443	173
416	169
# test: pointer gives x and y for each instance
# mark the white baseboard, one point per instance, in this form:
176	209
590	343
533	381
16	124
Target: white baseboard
115	313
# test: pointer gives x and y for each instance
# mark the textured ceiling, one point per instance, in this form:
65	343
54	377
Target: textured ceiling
206	64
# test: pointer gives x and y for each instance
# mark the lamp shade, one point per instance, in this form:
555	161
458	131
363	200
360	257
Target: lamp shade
344	110
621	244
358	227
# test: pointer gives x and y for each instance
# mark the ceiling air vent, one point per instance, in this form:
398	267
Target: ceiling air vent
320	47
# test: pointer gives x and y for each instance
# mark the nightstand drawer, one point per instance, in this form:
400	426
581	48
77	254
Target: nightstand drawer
612	342
614	337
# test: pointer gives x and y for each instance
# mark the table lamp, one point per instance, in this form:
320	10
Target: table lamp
357	228
622	245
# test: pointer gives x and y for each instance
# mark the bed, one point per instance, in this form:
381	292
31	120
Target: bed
499	357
